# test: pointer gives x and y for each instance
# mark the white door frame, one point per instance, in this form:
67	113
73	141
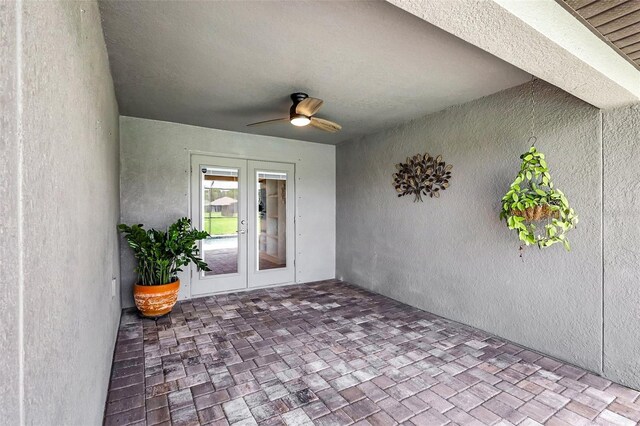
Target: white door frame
279	276
244	176
207	284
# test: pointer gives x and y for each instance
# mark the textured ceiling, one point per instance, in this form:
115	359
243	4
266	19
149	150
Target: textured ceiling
617	21
226	64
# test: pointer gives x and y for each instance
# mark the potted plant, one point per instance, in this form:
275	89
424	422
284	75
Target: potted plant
161	255
537	211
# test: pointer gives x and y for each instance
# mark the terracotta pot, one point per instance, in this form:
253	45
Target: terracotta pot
156	300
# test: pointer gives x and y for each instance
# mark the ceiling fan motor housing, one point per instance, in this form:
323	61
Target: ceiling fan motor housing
296	98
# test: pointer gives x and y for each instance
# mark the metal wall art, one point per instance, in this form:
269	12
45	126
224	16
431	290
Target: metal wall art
422	175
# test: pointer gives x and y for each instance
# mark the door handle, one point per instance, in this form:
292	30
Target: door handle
242	230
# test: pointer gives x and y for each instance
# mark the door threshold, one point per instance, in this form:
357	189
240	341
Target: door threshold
243	290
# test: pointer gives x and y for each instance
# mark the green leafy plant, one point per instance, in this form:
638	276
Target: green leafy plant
532	200
162	254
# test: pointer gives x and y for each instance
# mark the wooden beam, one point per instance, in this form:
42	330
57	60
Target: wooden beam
223	178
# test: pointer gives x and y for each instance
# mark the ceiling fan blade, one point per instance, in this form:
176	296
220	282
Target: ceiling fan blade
259	123
326	125
309	106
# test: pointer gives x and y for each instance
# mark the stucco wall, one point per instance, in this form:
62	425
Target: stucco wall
621	137
155	162
70	210
452	256
9	219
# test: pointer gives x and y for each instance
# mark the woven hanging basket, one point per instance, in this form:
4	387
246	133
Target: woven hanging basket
537	213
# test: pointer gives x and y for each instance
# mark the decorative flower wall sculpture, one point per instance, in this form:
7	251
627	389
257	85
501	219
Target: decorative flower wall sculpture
422	175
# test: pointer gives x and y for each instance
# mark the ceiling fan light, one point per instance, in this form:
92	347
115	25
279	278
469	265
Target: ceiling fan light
300	120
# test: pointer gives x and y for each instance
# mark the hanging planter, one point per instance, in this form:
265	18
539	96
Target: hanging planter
538	212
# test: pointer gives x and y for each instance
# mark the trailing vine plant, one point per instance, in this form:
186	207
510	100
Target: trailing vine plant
537	211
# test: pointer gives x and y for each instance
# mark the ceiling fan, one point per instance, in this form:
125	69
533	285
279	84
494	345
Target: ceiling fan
302	114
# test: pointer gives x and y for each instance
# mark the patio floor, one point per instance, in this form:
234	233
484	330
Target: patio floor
225	261
330	353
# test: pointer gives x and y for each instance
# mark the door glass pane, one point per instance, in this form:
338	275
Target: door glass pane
272	220
220	219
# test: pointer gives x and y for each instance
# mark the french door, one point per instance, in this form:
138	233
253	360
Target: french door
247	207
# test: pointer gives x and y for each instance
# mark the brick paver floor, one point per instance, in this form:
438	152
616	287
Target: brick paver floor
333	354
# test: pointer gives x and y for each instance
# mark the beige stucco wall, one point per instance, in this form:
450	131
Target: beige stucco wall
621	141
60	193
452	256
10	269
